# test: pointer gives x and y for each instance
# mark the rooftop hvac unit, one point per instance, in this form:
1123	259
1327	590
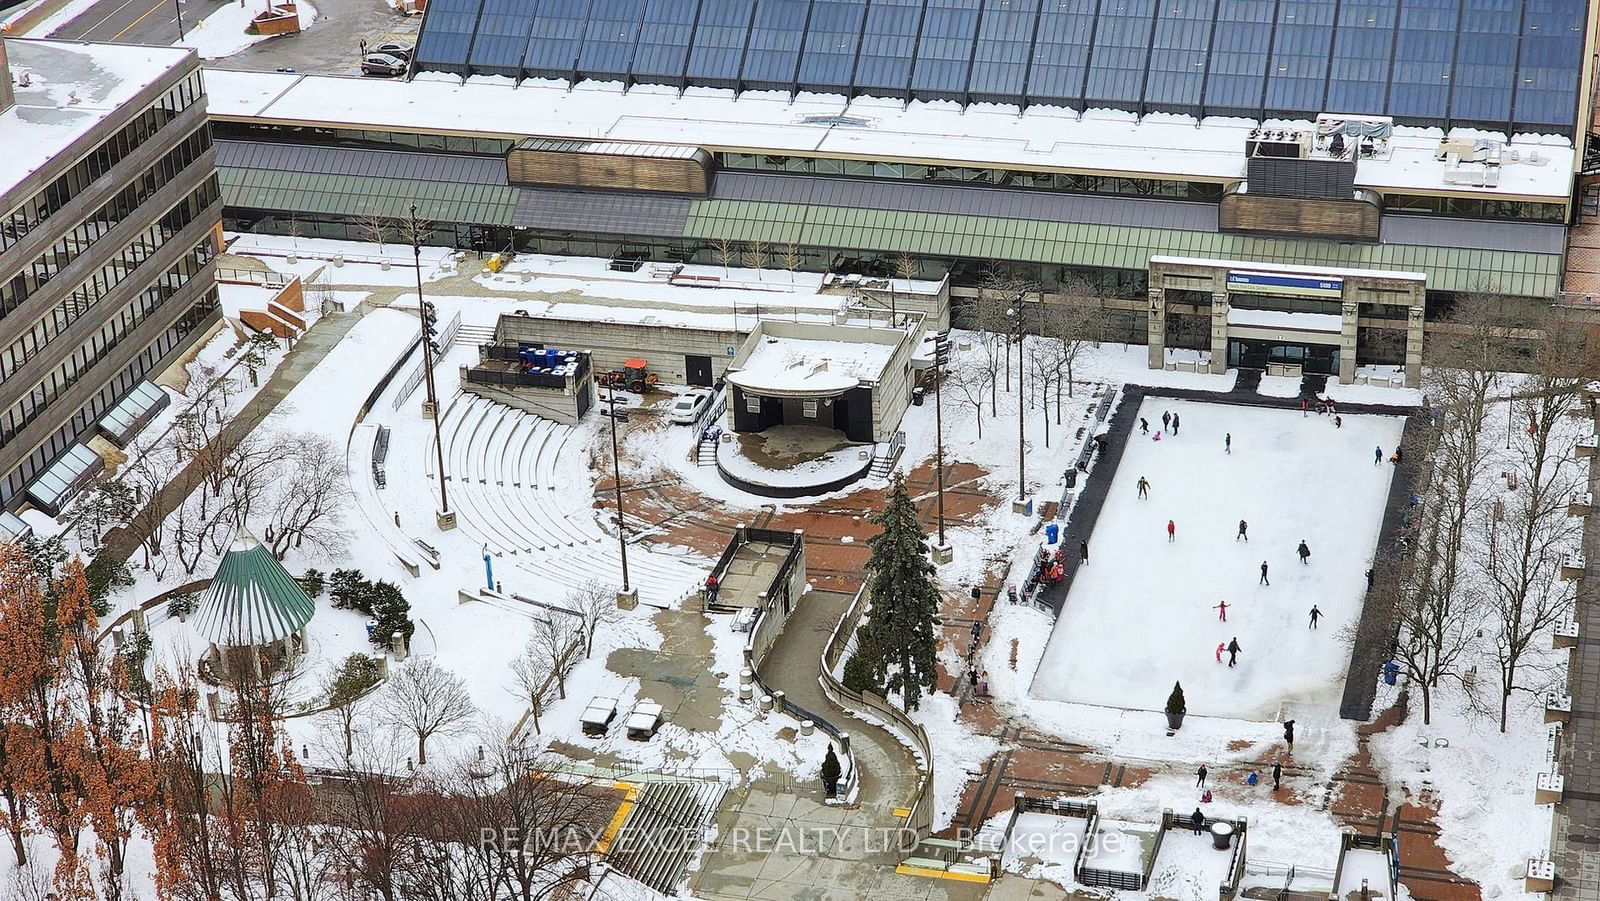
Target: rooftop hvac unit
1283	144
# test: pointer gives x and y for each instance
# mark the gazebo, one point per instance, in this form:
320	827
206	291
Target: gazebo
252	606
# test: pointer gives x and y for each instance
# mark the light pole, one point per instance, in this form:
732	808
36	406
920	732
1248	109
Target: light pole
178	17
1022	451
423	313
938	428
616	482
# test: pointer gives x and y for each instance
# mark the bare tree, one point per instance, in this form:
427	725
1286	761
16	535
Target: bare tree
596	604
1001	296
726	252
374	227
791	258
345	689
426	700
554	639
313	497
756	256
971	378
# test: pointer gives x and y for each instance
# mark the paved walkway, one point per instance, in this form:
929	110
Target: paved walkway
1576	843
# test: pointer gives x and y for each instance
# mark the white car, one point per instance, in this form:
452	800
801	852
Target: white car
688	407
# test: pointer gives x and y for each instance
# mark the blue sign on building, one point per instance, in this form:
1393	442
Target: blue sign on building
1271	283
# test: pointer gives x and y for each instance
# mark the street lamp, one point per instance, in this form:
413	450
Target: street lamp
178	17
939	346
616	482
425	313
1022	451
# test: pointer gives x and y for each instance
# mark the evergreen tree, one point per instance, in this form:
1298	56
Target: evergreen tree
390	608
904	601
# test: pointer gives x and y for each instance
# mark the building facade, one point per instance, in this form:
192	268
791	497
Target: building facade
110	215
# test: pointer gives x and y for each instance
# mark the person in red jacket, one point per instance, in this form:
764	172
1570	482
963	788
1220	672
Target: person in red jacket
1172	531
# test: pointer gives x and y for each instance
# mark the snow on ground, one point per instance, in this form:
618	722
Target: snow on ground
1120	846
1189	867
363	263
234	297
1363	873
958	752
1293	478
226	30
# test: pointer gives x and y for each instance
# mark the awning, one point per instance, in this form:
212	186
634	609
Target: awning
50	491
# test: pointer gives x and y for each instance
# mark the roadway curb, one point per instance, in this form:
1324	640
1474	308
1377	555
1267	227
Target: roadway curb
30	19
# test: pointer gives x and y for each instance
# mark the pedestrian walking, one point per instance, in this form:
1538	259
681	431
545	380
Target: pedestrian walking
1264	575
1277	775
1369	578
1227	443
1166	419
1304	552
1083	551
972	679
1200	777
1377	456
1144	487
1304	406
1222	611
1172	531
1244	531
1233	651
1197	821
1144	426
363	46
1315	615
711	588
983	684
1288	733
1175	423
1338	422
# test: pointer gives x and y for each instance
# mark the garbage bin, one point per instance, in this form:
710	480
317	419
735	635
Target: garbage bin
1391	672
1221	835
916	397
1072	478
1051	533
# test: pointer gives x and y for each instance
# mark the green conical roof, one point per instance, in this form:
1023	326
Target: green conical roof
252	599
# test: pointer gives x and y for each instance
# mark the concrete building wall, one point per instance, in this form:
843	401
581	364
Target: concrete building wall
610	343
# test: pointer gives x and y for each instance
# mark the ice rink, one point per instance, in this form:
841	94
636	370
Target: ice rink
1143	612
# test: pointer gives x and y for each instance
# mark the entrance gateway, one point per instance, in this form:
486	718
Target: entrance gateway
1289	319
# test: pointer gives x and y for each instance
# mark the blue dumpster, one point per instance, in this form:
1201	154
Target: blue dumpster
1051	533
1391	672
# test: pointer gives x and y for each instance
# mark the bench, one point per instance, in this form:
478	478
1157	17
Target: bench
642	722
598	715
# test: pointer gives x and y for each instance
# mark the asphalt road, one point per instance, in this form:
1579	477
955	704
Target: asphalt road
135	21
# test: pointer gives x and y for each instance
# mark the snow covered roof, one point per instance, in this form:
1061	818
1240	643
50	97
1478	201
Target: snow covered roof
72	87
1159	145
807	367
252	599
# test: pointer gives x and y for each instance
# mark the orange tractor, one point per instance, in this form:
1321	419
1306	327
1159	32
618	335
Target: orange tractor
633	376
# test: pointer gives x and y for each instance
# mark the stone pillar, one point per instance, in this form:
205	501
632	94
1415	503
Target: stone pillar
397	645
1349	316
1156	328
1414	324
1219	332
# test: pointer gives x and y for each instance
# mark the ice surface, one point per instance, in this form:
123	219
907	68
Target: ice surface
1143	613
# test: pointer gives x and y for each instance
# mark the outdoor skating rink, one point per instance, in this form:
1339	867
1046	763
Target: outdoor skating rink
1143	613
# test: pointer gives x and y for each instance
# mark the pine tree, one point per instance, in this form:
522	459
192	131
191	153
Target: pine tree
904	601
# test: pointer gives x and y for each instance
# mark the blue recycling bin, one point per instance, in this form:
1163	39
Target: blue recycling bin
1391	672
1052	532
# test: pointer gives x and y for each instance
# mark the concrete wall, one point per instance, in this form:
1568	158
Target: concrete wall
664	346
556	405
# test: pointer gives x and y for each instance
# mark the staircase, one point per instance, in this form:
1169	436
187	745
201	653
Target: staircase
475	334
886	455
706	453
663	831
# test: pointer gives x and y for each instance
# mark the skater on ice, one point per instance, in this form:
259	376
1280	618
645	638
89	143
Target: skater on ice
1253	778
1174	425
1220	648
1264	575
1315	615
1304	552
1233	651
1144	427
1172	531
1222	611
1083	551
1244	531
1200	777
1338	422
1377	456
1227	443
1144	487
1166	419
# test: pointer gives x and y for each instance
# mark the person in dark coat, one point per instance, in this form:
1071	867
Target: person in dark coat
1227	443
1288	733
1277	775
1244	531
1304	551
1197	820
1166	420
1175	423
1264	575
1315	615
1369	579
831	772
1083	551
1200	777
1377	456
1144	487
1233	651
1144	427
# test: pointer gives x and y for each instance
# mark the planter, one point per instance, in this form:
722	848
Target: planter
1174	721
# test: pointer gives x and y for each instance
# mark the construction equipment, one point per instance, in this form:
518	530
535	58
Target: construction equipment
634	376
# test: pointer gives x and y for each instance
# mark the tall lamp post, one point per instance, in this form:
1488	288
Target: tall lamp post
940	344
178	17
1022	450
616	482
446	519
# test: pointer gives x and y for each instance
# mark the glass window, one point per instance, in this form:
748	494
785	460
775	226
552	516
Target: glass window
1000	61
1486	57
944	52
1120	54
664	41
1298	72
719	42
829	57
774	51
448	34
1424	45
1178	55
1061	53
1547	81
608	43
553	40
502	38
888	43
1235	83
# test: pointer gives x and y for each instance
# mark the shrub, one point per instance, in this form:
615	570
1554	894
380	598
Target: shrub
1175	705
350	591
858	675
312	582
390	608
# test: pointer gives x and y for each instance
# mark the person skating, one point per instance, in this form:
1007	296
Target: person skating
1315	615
1083	552
1244	531
1144	487
1200	777
1166	420
1172	531
1264	575
1227	443
1175	422
1304	552
1197	821
1288	733
1377	456
1222	611
1396	457
1338	422
1233	651
1220	648
1277	775
1144	426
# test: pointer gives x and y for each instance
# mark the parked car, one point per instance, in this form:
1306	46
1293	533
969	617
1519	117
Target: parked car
688	407
385	65
395	48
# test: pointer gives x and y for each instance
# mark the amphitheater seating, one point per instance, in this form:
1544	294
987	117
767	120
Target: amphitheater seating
649	847
358	462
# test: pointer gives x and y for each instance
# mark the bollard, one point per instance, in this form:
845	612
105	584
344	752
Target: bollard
777	701
766	703
807	727
747	676
746	691
397	644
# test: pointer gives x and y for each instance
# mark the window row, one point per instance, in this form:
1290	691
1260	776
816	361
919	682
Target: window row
19	287
91	352
109	395
1475	207
97	162
89	293
356	137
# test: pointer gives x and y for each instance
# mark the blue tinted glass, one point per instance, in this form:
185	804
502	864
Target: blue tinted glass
775	43
887	44
664	41
1178	55
1235	83
1298	71
1359	76
554	39
608	41
1061	52
1422	52
1001	60
830	45
1121	50
944	52
444	42
1547	82
1486	55
719	41
502	38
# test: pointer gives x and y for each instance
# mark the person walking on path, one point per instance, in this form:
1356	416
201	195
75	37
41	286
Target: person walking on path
1172	531
1304	552
1227	443
1200	777
1083	551
1264	575
1277	775
1144	426
1304	406
1288	733
1197	821
1315	615
1144	487
1233	651
363	44
1166	420
1369	578
1222	611
1175	423
1377	456
972	680
1244	531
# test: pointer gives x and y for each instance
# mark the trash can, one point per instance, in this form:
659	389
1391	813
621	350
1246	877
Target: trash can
1072	478
1221	835
916	397
372	628
1051	533
1391	672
